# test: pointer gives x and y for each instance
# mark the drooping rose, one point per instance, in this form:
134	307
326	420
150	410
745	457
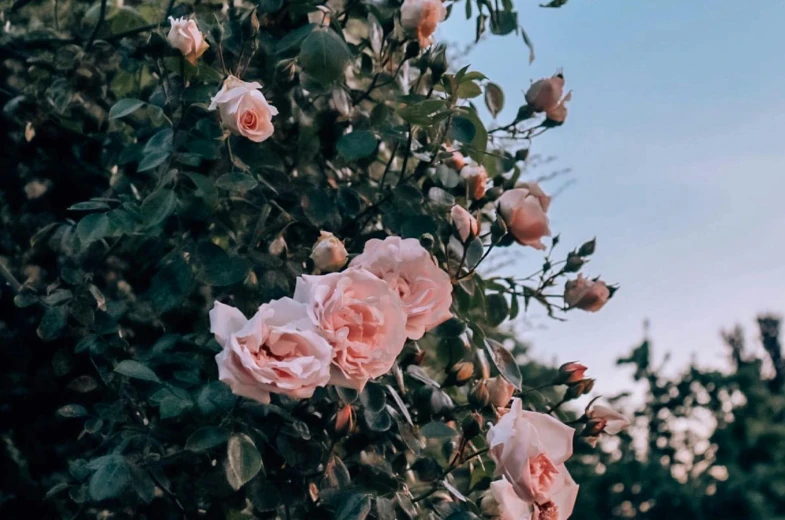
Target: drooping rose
524	210
500	391
530	449
361	317
329	253
476	179
612	422
586	294
545	94
409	270
465	223
558	114
421	17
186	37
278	351
502	503
244	109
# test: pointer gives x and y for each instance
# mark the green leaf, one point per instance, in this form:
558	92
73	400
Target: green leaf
88	206
292	40
92	227
57	488
110	479
468	90
422	113
52	323
161	141
504	362
71	411
373	398
474	253
205	438
437	430
349	202
152	160
320	209
217	267
324	55
450	329
462	129
170	285
494	98
136	370
158	206
142	484
124	107
418	225
498	309
355	507
356	145
243	460
236	181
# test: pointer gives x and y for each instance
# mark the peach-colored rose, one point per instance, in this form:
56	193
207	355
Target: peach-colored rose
329	253
476	178
424	289
501	502
558	114
524	210
278	351
244	109
500	391
612	421
361	317
530	449
571	372
588	295
545	94
421	17
465	223
185	36
457	161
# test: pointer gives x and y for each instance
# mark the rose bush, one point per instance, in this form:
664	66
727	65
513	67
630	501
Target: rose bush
175	168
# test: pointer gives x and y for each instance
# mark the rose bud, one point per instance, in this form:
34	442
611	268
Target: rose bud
472	426
421	17
460	373
558	114
476	178
612	421
582	387
594	427
344	420
185	36
329	254
545	94
584	294
500	391
464	223
571	372
573	263
457	161
244	109
524	211
479	396
587	249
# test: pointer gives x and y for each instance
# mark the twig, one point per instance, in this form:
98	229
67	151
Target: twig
387	168
406	153
97	28
9	278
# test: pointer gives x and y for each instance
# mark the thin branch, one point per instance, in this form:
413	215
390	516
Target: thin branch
9	278
97	28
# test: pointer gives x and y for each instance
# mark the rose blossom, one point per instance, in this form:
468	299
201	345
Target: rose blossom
558	114
420	17
277	351
544	94
571	372
475	177
361	317
586	294
185	36
524	210
501	502
464	222
244	110
613	421
530	448
424	289
329	253
500	391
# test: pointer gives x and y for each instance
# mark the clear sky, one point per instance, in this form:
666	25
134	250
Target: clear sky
676	138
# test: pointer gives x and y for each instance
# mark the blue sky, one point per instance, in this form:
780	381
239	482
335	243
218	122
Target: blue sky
675	138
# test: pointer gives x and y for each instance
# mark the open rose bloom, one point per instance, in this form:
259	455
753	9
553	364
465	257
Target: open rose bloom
530	449
277	351
505	504
524	210
244	109
421	17
361	318
424	289
185	36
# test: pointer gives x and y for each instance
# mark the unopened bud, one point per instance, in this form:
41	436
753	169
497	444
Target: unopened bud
329	253
494	193
460	373
479	396
412	50
571	372
594	427
522	154
587	249
472	426
578	389
573	263
344	420
427	241
500	391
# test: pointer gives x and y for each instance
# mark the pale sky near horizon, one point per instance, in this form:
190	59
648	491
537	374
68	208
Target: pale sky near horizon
675	140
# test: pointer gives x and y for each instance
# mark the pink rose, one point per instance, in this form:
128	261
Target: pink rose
500	391
524	210
571	372
476	179
586	294
409	270
558	114
465	223
611	421
244	109
503	503
278	351
561	504
361	317
530	449
185	36
329	253
421	17
545	94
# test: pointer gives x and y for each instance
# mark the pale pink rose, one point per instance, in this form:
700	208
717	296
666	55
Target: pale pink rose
409	270
278	351
186	37
476	179
613	422
586	294
421	17
329	253
464	222
503	503
546	93
500	391
244	109
524	211
361	317
530	449
562	503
